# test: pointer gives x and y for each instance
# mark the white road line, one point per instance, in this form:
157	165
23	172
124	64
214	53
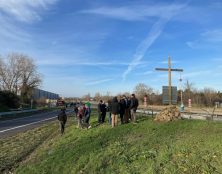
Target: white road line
23	118
26	125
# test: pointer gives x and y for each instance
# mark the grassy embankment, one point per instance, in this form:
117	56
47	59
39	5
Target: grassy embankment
184	146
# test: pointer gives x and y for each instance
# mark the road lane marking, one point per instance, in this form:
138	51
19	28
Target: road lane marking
26	124
23	118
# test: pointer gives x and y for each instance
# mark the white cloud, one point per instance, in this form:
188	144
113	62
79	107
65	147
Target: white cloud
172	62
206	39
96	82
212	35
8	30
145	73
134	13
82	62
25	10
197	73
13	12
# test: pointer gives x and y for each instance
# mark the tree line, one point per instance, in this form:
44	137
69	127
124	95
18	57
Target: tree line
206	97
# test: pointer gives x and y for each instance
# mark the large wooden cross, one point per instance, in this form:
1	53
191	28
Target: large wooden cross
169	69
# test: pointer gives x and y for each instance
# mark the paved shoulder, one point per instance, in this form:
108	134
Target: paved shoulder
12	127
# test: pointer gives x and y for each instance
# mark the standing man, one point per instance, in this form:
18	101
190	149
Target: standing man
133	107
87	113
127	110
115	111
100	111
87	116
62	117
122	108
103	109
76	110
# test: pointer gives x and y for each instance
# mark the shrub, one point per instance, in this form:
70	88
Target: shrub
9	100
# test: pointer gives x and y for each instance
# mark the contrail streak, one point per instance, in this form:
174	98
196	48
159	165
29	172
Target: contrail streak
155	32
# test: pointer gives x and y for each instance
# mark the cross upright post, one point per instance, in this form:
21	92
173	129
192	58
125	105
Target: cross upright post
169	79
169	69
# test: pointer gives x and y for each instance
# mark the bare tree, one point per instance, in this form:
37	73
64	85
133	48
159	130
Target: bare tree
126	94
141	90
86	97
210	96
19	71
97	96
1	74
188	88
107	96
10	72
188	91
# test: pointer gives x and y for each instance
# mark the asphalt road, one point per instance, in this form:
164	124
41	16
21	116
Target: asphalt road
12	127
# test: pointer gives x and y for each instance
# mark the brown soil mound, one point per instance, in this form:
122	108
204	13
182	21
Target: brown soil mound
169	113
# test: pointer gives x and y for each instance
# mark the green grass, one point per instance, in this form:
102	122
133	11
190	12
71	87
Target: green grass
16	148
184	146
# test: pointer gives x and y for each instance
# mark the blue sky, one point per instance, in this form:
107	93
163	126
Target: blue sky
88	46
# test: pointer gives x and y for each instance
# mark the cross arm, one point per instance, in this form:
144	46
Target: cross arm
162	69
180	70
166	69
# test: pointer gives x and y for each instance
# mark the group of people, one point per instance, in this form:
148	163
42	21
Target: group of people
83	112
125	108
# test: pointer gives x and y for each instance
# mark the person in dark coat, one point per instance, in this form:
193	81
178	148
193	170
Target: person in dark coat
100	111
127	109
76	111
62	117
134	103
103	109
115	111
122	104
87	115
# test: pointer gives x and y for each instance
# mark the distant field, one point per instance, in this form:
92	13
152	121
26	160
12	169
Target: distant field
184	146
